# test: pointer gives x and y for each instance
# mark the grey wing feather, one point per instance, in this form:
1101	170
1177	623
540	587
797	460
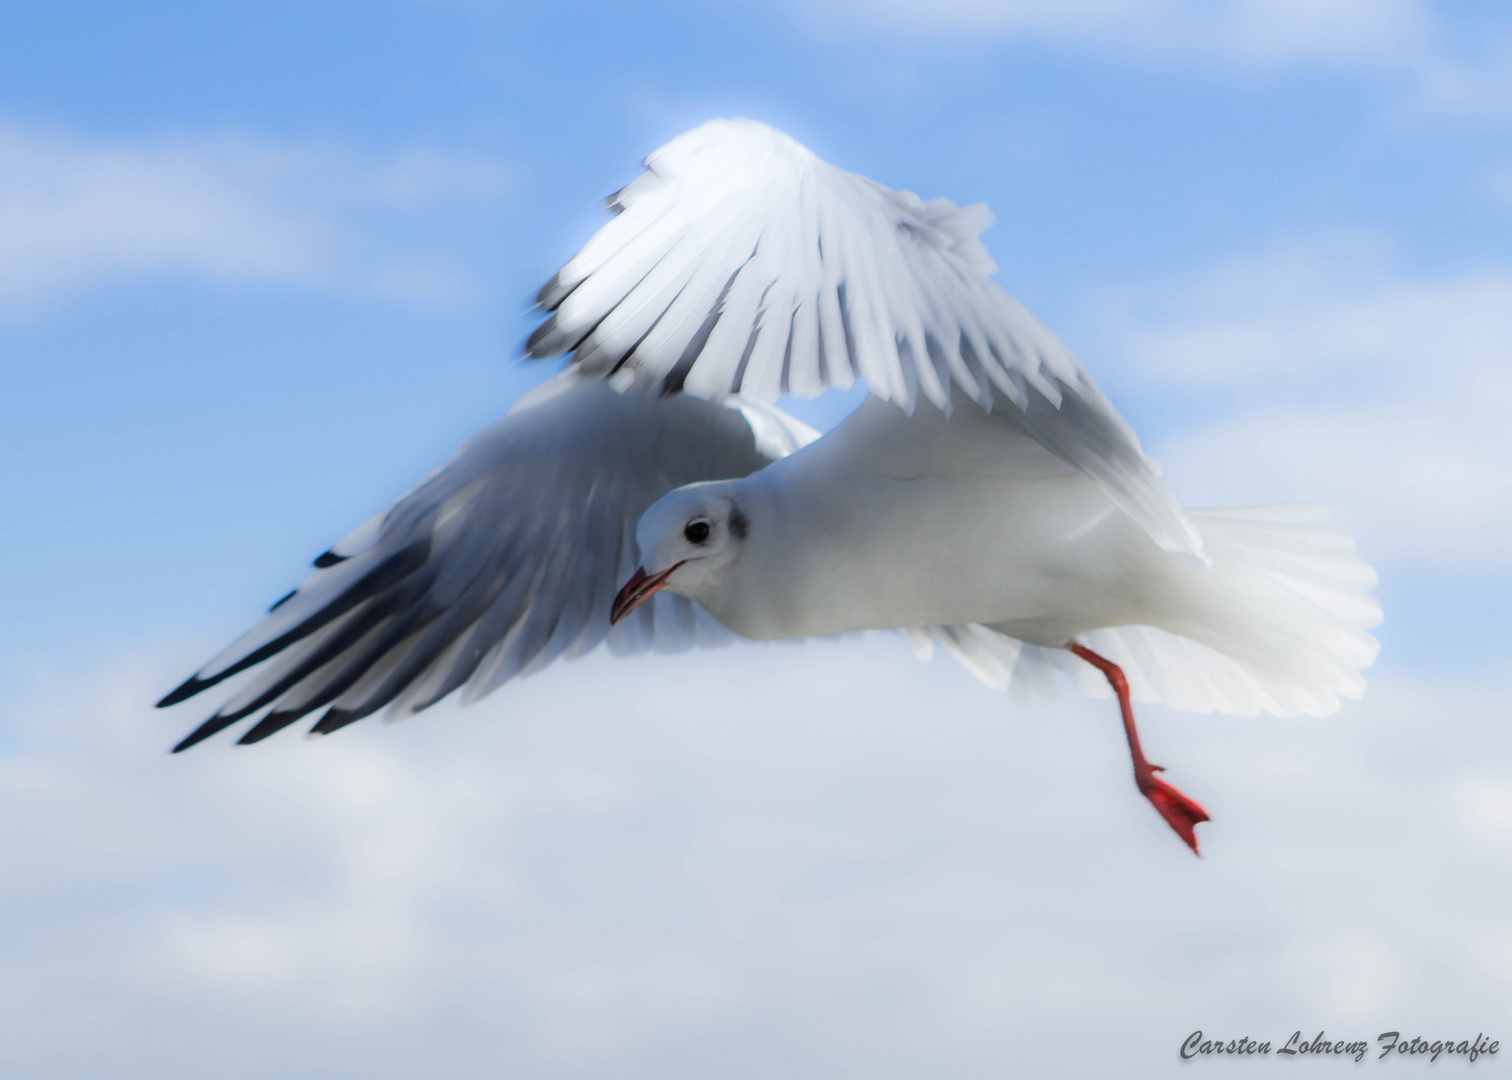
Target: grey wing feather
501	561
741	262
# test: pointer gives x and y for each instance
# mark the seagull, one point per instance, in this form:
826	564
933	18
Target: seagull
985	498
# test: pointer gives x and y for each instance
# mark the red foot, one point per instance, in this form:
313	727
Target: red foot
1180	813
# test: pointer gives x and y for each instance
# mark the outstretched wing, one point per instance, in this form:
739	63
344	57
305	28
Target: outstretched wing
501	561
739	262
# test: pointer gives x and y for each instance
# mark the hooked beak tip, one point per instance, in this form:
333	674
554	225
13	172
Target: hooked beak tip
640	588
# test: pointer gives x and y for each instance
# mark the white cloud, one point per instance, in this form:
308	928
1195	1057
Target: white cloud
1433	69
1479	84
1415	483
1485	809
1496	182
1407	379
76	212
759	861
1257	33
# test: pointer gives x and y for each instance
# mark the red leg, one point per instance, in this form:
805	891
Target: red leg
1180	812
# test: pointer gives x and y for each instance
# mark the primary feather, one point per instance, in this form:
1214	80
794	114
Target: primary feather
741	262
503	560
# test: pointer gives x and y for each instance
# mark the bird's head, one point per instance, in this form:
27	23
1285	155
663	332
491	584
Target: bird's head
687	539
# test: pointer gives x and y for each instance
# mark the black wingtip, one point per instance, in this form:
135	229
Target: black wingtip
271	724
546	290
533	342
336	719
210	727
324	561
186	690
284	599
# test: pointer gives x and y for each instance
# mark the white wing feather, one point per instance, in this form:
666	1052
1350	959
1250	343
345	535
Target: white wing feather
739	262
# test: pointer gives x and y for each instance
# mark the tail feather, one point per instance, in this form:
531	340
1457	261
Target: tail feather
1278	623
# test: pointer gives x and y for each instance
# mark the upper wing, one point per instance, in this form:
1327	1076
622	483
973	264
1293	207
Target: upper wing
740	262
502	560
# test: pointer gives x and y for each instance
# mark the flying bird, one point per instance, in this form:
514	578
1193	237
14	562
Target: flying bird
986	497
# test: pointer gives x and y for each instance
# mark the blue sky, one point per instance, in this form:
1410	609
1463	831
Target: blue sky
264	266
380	188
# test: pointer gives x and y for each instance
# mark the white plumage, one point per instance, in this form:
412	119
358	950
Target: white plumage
967	522
987	498
741	263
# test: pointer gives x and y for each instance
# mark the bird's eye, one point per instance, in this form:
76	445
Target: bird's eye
696	532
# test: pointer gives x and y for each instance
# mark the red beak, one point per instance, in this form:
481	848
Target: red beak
637	591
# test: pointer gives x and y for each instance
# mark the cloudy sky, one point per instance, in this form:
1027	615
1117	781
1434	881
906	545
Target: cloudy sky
262	267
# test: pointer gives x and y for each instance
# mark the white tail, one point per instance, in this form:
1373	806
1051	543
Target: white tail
1277	624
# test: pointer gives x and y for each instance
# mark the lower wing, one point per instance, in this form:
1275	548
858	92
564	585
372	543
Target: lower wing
503	560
